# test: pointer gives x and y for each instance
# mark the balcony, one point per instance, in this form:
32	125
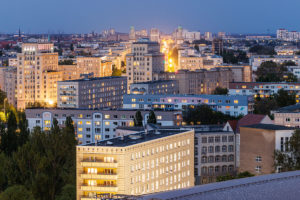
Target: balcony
98	163
100	176
100	188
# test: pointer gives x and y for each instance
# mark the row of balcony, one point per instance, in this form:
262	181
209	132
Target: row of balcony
101	188
100	176
98	163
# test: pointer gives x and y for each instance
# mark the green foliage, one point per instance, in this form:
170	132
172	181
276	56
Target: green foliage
230	177
138	119
270	71
68	193
262	50
203	114
66	62
290	159
281	99
234	57
16	192
197	47
152	118
3	167
116	71
220	91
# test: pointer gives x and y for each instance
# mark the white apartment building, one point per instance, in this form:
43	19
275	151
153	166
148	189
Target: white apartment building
255	61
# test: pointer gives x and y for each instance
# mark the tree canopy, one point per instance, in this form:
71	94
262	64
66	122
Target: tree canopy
262	50
138	119
270	71
152	117
220	91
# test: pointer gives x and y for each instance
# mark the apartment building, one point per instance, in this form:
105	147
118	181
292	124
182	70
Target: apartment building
155	87
141	163
263	89
258	143
215	153
203	81
144	62
36	64
231	105
95	65
8	83
255	61
196	61
288	116
95	125
103	92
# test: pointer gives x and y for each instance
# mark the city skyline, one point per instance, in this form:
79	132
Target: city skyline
79	17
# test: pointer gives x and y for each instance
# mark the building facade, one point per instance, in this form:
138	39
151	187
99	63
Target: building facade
258	143
231	105
104	92
142	163
95	125
263	89
144	62
255	61
155	87
36	62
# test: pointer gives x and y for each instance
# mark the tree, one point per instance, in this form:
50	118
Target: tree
138	119
68	193
9	138
264	105
3	176
197	47
284	98
262	50
203	114
220	91
270	71
152	118
290	159
16	192
116	71
230	176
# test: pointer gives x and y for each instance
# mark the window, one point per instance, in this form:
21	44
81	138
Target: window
230	138
106	116
258	159
224	138
97	123
217	149
97	116
159	117
107	123
224	148
258	169
217	139
218	159
79	122
236	101
211	140
230	148
210	149
204	140
88	123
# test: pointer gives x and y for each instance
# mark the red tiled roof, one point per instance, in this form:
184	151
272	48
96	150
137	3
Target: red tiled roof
250	119
233	124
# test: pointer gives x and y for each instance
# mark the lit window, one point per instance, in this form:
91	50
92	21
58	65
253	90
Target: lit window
227	107
169	100
88	123
97	123
236	101
106	116
47	122
79	135
159	117
107	123
80	129
133	100
133	105
244	86
237	91
80	122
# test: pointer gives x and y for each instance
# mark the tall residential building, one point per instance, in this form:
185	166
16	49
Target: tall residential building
95	65
221	35
203	81
9	81
103	92
217	46
144	62
155	87
208	36
37	75
154	35
258	143
136	164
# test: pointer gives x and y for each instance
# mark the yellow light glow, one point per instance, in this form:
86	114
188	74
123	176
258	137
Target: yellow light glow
51	102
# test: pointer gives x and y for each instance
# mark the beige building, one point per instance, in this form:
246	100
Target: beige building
144	62
203	81
142	163
95	65
36	74
258	143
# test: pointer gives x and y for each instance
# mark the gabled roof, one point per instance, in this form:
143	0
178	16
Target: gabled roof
233	124
249	120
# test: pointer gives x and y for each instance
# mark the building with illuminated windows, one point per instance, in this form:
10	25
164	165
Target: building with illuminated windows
263	89
144	62
256	61
103	92
136	164
233	105
37	74
94	125
155	87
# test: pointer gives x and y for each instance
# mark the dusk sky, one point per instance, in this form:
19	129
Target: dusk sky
83	16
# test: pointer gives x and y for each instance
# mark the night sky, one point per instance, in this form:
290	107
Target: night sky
83	16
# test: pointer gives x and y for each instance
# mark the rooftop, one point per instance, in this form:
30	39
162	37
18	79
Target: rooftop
268	187
95	79
269	127
153	82
136	138
290	109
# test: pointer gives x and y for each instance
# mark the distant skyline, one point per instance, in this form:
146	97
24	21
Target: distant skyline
85	16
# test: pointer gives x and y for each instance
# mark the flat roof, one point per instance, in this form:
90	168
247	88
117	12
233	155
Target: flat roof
267	187
150	82
136	138
95	79
269	127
